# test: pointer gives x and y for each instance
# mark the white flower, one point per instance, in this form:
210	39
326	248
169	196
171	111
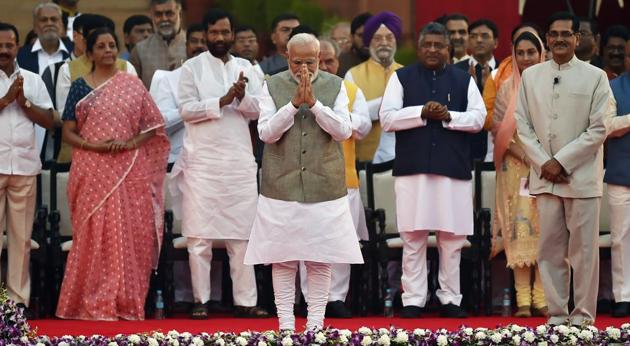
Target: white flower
554	338
383	331
367	340
572	340
24	339
496	338
542	343
158	336
516	339
365	331
593	329
401	337
625	325
63	343
113	343
270	336
586	335
442	340
345	332
173	334
613	333
468	331
562	329
152	342
517	328
245	334
69	337
241	341
262	343
287	341
40	344
174	342
220	342
384	340
320	338
133	338
343	339
574	330
419	332
197	341
529	336
186	335
541	329
480	335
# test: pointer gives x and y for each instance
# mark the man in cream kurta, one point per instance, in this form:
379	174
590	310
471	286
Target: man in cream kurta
433	108
380	34
303	212
216	172
560	120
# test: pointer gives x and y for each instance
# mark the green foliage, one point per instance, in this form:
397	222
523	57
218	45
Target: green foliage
260	13
406	55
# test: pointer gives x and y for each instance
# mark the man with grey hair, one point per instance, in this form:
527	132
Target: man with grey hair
340	34
303	209
381	34
49	47
433	108
165	49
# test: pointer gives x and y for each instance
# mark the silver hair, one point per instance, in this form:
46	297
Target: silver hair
303	39
434	28
332	43
46	5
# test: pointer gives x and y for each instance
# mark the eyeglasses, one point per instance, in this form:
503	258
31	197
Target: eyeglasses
563	34
436	45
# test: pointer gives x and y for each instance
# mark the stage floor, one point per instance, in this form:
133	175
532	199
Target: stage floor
55	327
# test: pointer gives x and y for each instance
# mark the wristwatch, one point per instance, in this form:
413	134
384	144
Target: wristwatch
27	104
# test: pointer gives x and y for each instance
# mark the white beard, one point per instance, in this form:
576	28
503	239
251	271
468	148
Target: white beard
297	77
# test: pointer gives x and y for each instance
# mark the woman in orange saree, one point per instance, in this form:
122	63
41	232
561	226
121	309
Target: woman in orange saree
115	187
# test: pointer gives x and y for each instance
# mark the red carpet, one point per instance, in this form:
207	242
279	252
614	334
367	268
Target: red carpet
228	324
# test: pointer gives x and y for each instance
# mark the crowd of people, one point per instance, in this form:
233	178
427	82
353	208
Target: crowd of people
199	99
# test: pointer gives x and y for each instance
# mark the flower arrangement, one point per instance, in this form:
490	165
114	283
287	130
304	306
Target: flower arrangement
15	331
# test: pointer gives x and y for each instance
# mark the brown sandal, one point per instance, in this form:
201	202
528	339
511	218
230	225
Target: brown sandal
250	312
199	312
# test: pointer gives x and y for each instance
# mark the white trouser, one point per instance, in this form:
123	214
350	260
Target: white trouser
414	267
339	281
183	284
243	277
619	205
318	282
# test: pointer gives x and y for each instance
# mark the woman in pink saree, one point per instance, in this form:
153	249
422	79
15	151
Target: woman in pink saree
115	196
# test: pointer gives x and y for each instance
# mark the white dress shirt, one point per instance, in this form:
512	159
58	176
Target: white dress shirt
44	59
164	89
360	116
18	148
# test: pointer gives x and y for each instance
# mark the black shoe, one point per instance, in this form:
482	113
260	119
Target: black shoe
621	309
411	311
452	311
604	306
300	310
28	313
337	309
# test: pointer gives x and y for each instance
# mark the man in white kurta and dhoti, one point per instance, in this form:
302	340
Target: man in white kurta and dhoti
303	212
216	171
433	109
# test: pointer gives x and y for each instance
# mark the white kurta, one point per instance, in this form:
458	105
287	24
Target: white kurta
294	231
428	201
215	174
164	87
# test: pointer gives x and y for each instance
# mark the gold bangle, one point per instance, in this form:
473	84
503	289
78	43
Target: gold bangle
82	143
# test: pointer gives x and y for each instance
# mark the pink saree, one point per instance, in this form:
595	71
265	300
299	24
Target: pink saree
116	205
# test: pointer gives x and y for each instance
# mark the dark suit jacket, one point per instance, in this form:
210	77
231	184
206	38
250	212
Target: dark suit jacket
29	61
